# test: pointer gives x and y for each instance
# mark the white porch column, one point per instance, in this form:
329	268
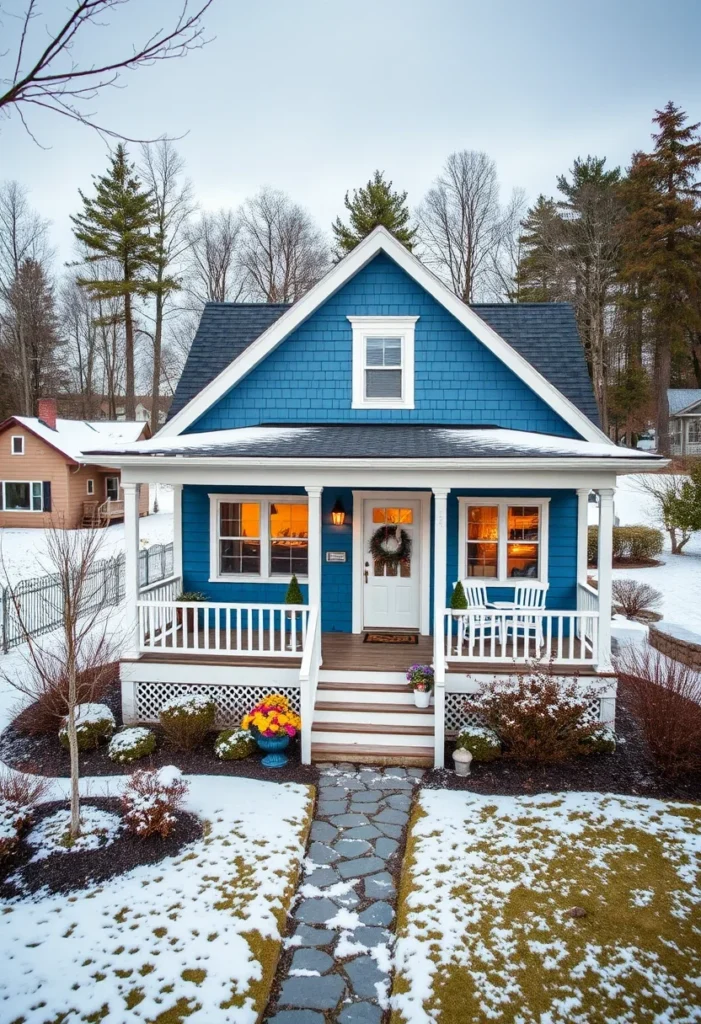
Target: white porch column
582	533
314	571
605	560
131	568
440	578
178	531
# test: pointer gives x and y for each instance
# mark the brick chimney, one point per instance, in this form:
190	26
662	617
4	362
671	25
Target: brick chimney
46	411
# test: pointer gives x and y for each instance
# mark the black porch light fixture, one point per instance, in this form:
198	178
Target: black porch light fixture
338	513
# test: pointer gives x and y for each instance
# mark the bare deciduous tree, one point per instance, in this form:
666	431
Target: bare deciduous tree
42	67
81	337
282	252
86	648
462	227
213	270
162	171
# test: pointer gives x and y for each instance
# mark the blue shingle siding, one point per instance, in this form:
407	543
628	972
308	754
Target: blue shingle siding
308	377
337	579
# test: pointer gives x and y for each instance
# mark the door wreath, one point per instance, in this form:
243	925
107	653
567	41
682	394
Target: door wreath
390	557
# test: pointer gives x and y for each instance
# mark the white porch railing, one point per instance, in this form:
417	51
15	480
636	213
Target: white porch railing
192	627
163	590
309	681
560	637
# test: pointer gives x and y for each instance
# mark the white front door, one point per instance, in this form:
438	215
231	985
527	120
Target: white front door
391	592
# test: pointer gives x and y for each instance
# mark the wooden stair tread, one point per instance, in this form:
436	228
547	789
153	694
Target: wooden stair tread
400	709
408	730
366	687
412	756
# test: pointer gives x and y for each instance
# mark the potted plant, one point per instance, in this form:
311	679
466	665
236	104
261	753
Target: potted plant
293	596
190	596
420	679
273	724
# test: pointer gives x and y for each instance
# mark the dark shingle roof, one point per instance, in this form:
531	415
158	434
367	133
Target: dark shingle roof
543	333
373	441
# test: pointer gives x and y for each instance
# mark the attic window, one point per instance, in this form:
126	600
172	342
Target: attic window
383	362
17	444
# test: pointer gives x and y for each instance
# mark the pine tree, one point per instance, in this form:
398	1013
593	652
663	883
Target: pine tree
372	205
537	275
294	592
664	246
115	228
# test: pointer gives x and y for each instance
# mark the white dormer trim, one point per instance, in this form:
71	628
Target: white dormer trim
379	240
365	327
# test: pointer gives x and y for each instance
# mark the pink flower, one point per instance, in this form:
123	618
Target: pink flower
289	729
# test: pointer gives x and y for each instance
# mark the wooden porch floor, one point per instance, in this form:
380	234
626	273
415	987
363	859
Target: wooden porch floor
348	652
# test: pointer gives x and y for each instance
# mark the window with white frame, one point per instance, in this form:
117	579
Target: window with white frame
258	538
383	362
693	435
677	433
503	539
17	444
21	496
91	486
112	488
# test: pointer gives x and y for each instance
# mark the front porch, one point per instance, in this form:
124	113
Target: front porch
352	694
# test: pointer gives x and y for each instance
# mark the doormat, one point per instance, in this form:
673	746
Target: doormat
391	638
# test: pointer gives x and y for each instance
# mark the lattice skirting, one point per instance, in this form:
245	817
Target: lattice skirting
232	701
600	709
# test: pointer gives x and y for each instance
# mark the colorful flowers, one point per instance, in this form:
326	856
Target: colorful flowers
420	677
272	717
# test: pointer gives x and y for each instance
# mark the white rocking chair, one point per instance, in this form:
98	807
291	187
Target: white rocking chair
529	600
477	600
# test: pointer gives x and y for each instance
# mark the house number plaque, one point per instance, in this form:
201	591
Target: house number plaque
335	556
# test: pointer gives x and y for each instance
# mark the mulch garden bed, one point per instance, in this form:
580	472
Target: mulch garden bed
43	755
66	872
629	770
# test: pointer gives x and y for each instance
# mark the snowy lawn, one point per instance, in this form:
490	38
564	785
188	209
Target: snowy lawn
23	552
485	931
679	577
193	937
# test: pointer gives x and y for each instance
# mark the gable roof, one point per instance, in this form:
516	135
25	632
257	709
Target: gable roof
681	399
72	437
380	240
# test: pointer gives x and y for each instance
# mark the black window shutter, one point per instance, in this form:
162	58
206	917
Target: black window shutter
46	495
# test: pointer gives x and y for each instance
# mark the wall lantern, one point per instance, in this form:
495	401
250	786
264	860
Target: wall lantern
338	513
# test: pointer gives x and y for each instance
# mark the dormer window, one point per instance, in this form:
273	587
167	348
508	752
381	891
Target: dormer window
383	362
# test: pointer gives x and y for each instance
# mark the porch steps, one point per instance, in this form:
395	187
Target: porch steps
370	719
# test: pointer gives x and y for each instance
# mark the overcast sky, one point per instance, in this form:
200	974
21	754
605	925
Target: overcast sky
312	95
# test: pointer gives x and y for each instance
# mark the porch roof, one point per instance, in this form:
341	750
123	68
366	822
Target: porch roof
371	441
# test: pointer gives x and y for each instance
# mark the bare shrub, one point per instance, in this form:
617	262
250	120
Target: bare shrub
151	800
26	790
18	796
536	716
50	705
634	597
665	700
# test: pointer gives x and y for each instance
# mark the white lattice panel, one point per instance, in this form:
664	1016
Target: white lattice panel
456	717
232	701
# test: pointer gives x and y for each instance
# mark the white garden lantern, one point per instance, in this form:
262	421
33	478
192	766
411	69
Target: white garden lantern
463	760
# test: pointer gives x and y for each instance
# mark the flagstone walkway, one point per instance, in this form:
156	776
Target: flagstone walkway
338	957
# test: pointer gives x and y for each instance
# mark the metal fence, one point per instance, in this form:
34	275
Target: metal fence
40	600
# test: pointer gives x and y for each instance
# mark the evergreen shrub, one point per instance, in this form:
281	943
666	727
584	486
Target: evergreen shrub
93	724
131	744
187	719
482	742
234	744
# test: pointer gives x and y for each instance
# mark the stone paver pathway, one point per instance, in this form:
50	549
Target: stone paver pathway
339	953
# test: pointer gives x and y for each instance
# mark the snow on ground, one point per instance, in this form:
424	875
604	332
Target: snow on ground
485	922
203	926
23	553
679	577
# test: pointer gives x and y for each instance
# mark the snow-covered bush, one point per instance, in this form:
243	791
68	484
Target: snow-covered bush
537	716
93	724
187	719
150	800
131	744
18	796
233	744
482	742
603	741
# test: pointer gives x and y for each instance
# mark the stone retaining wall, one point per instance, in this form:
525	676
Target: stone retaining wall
677	642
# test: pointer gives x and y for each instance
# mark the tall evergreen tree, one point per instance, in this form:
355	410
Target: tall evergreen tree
537	277
665	225
115	227
372	205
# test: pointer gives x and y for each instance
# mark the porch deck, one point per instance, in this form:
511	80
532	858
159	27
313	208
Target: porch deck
344	652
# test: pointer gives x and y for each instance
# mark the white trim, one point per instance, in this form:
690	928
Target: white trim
502	580
22	511
424	499
380	240
13	438
365	327
582	533
265	501
131	569
113	476
90	487
605	573
178	532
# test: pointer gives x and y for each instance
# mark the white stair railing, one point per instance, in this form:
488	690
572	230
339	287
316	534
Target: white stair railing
309	681
438	700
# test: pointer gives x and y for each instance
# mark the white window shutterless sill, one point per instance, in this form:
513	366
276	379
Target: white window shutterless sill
236	578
